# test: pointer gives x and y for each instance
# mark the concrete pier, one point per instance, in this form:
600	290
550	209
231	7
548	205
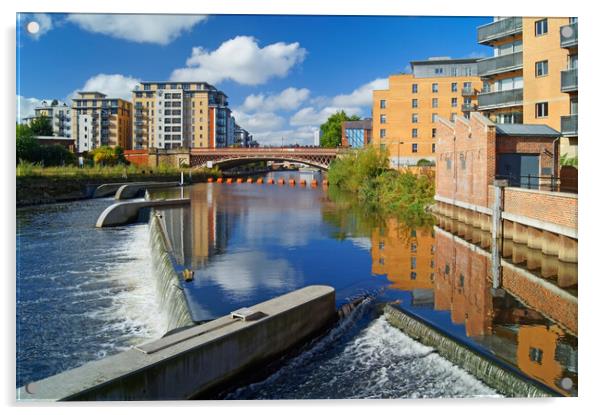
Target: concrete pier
126	212
109	189
131	190
192	361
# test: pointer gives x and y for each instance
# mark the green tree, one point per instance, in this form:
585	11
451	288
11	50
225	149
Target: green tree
28	148
41	126
108	156
331	129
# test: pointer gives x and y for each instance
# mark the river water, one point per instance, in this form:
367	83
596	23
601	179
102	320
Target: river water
89	294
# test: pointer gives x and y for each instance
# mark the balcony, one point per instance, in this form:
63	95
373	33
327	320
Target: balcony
568	80
499	30
500	64
509	98
468	92
468	107
568	125
568	35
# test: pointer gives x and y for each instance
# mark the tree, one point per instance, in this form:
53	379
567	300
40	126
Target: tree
41	126
108	156
28	148
331	129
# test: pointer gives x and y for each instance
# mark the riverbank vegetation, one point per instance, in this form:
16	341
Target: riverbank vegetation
366	174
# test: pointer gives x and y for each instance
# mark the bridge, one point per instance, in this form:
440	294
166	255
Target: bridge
232	157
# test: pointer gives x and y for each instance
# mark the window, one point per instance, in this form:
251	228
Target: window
448	164
413	262
454	87
383	133
413	275
541	110
535	354
414	88
434	133
435	87
383	118
413	247
541	27
413	233
414	132
438	71
414	118
383	103
467	85
414	148
433	147
381	261
541	68
453	116
414	103
435	102
434	117
461	282
381	245
454	102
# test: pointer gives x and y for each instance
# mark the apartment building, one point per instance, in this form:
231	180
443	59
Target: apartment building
242	137
356	134
532	76
58	113
405	114
97	120
181	115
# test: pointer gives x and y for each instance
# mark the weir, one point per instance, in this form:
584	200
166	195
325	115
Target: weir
501	378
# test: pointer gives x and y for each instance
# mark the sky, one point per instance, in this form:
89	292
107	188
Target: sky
284	75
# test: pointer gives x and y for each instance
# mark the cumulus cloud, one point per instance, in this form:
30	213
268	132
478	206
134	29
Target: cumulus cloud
361	96
113	85
141	28
25	107
258	122
42	19
313	116
288	99
241	60
302	136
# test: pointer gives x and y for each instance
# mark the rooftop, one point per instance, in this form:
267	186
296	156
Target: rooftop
526	130
443	60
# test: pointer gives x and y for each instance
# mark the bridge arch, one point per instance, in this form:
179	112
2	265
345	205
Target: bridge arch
235	162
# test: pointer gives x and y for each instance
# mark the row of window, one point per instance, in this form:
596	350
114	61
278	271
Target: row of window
383	147
434	115
434	88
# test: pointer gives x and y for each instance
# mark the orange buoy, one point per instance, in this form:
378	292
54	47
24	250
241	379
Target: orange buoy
250	180
210	180
229	180
259	181
220	180
291	182
314	183
270	181
280	181
239	180
324	182
302	182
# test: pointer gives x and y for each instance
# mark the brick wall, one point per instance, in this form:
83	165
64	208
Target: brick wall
137	157
560	208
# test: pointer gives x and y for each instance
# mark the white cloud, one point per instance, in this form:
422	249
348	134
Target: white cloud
287	99
43	20
258	122
142	28
241	60
311	116
361	96
113	85
25	107
302	136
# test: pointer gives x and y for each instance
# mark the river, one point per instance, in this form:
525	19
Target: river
90	294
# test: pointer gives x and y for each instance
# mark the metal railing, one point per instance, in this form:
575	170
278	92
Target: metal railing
568	80
568	125
569	35
499	29
468	107
545	183
468	92
500	64
501	99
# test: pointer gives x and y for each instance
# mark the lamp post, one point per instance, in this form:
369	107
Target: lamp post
398	147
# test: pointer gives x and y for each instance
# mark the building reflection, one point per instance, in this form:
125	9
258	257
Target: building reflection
449	270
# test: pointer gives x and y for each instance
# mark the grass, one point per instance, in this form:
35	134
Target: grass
31	170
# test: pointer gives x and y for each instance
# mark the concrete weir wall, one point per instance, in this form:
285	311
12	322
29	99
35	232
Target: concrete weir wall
192	361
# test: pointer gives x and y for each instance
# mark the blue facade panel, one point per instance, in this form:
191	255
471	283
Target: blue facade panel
355	137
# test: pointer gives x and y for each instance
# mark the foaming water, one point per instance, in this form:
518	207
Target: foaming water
363	357
82	293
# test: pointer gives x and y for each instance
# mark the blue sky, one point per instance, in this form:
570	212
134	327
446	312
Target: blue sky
284	74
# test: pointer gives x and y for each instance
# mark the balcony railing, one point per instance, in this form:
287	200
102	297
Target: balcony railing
568	35
568	125
468	92
468	107
568	80
500	29
500	64
508	98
